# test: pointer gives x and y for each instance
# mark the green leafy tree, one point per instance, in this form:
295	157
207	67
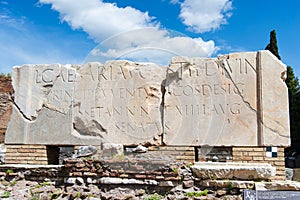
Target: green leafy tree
272	46
292	83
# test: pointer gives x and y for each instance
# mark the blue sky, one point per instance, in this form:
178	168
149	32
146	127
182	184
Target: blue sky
76	31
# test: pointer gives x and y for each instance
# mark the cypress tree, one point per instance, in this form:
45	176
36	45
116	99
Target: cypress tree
272	46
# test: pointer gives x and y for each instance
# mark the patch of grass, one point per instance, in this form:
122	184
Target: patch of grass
14	182
230	186
46	183
154	196
175	170
53	196
6	194
43	184
78	195
190	164
197	194
8	171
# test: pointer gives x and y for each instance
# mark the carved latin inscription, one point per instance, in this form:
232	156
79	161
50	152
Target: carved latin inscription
232	100
211	100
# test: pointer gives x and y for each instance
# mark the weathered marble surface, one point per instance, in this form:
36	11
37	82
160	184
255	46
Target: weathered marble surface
238	99
211	100
234	100
118	102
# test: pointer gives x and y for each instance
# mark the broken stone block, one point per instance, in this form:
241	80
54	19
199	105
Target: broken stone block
116	102
242	171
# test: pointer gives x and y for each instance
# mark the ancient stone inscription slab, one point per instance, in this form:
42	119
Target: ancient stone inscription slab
118	102
234	100
211	101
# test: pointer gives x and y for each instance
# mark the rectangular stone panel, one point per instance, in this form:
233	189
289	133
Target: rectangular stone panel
115	102
274	127
238	99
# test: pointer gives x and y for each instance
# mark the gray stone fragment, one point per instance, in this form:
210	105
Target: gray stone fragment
166	184
138	149
151	182
91	181
84	151
289	173
70	180
188	184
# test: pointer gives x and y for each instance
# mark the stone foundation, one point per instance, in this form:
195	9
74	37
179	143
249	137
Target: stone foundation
82	178
41	154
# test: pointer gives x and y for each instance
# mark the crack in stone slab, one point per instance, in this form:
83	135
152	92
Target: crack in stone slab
23	115
239	92
273	130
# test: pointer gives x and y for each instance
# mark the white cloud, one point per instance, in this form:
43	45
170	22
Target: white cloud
100	20
175	1
150	45
205	15
106	20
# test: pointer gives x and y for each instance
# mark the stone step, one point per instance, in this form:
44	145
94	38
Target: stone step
230	170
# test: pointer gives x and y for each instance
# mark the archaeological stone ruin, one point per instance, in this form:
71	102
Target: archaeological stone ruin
237	103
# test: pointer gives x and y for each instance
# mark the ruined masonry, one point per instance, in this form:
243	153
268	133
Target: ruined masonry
237	100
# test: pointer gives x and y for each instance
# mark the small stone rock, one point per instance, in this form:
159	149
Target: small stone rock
289	173
166	184
140	192
70	180
138	149
188	184
90	181
171	197
37	190
221	192
84	151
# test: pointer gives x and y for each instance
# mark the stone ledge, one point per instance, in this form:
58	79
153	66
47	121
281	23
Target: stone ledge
278	185
29	166
242	171
125	181
228	183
